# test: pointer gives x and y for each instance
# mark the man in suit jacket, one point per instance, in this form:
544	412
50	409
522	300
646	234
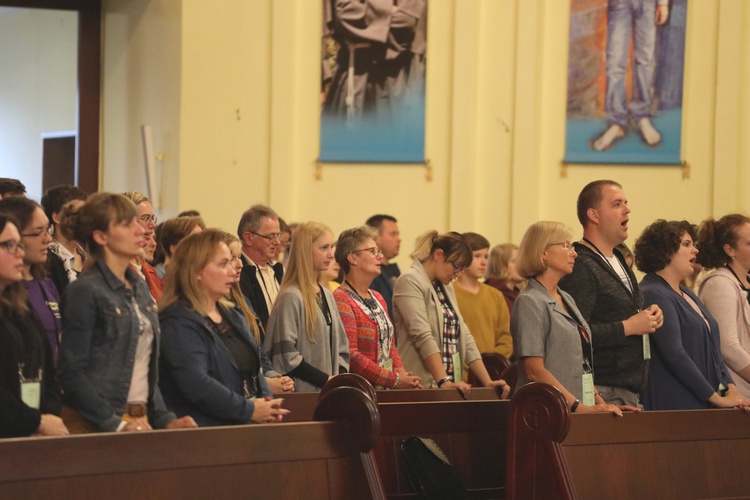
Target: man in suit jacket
258	232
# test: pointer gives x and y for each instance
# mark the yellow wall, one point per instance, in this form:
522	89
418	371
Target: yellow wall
141	86
497	74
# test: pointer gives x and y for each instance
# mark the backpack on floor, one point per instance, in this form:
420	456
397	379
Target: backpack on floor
430	473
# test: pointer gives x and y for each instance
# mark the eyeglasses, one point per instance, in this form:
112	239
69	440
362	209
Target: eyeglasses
565	244
12	246
269	237
37	234
458	270
147	218
375	251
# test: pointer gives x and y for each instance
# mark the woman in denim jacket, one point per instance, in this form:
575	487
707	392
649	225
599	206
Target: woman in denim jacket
110	347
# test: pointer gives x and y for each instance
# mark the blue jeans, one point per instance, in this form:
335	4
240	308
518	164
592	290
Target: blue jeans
626	19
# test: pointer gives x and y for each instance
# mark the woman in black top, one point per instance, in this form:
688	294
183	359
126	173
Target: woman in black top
29	391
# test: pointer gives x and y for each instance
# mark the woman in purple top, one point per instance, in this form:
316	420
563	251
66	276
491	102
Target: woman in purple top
41	292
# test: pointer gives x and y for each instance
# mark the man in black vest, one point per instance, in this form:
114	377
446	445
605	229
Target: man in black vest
258	231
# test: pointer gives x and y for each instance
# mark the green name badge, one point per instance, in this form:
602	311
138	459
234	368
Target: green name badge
588	390
31	393
457	367
646	346
388	364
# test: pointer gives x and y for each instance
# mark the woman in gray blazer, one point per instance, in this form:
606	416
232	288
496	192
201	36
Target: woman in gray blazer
433	339
552	340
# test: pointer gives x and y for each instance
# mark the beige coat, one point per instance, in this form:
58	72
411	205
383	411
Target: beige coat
727	301
418	319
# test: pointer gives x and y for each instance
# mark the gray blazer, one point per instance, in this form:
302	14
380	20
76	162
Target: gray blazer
418	318
541	327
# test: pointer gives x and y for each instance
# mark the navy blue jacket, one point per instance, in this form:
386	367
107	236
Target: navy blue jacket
686	363
198	375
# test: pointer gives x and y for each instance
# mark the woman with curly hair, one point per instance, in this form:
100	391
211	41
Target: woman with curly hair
687	371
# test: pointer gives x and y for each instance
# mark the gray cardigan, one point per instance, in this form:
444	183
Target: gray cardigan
287	344
541	327
418	317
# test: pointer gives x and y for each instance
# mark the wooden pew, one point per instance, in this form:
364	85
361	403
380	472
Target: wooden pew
554	454
318	459
471	432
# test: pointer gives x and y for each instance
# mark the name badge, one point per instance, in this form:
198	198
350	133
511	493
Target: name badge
388	364
31	388
588	389
31	393
646	347
457	367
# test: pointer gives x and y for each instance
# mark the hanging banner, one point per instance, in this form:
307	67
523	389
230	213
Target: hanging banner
373	81
626	61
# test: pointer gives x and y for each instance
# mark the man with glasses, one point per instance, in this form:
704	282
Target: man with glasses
259	233
606	292
389	243
147	220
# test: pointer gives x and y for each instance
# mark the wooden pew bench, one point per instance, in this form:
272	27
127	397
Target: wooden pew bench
472	432
554	454
323	459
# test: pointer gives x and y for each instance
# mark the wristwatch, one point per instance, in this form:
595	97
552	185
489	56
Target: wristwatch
574	407
443	380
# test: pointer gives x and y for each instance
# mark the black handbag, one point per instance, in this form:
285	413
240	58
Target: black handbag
430	473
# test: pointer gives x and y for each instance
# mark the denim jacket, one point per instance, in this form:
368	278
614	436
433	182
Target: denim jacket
97	353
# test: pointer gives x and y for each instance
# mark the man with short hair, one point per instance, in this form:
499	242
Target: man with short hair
607	294
259	233
11	187
389	243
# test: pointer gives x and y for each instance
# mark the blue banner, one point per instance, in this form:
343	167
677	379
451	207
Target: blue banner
626	63
373	81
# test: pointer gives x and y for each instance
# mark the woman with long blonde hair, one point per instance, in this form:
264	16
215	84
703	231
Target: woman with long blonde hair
276	381
210	364
306	339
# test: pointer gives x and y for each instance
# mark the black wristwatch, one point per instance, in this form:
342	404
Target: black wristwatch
443	380
575	405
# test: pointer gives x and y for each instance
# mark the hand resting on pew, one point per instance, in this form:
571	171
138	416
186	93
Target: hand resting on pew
268	410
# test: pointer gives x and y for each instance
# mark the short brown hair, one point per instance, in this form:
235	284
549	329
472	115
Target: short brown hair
476	241
96	214
348	242
176	228
591	197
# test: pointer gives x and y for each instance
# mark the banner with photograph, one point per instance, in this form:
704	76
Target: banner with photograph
373	81
626	62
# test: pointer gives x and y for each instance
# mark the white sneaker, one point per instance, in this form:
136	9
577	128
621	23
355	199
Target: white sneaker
605	141
649	133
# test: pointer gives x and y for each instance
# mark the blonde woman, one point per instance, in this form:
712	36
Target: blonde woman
211	366
502	274
276	381
306	339
552	340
